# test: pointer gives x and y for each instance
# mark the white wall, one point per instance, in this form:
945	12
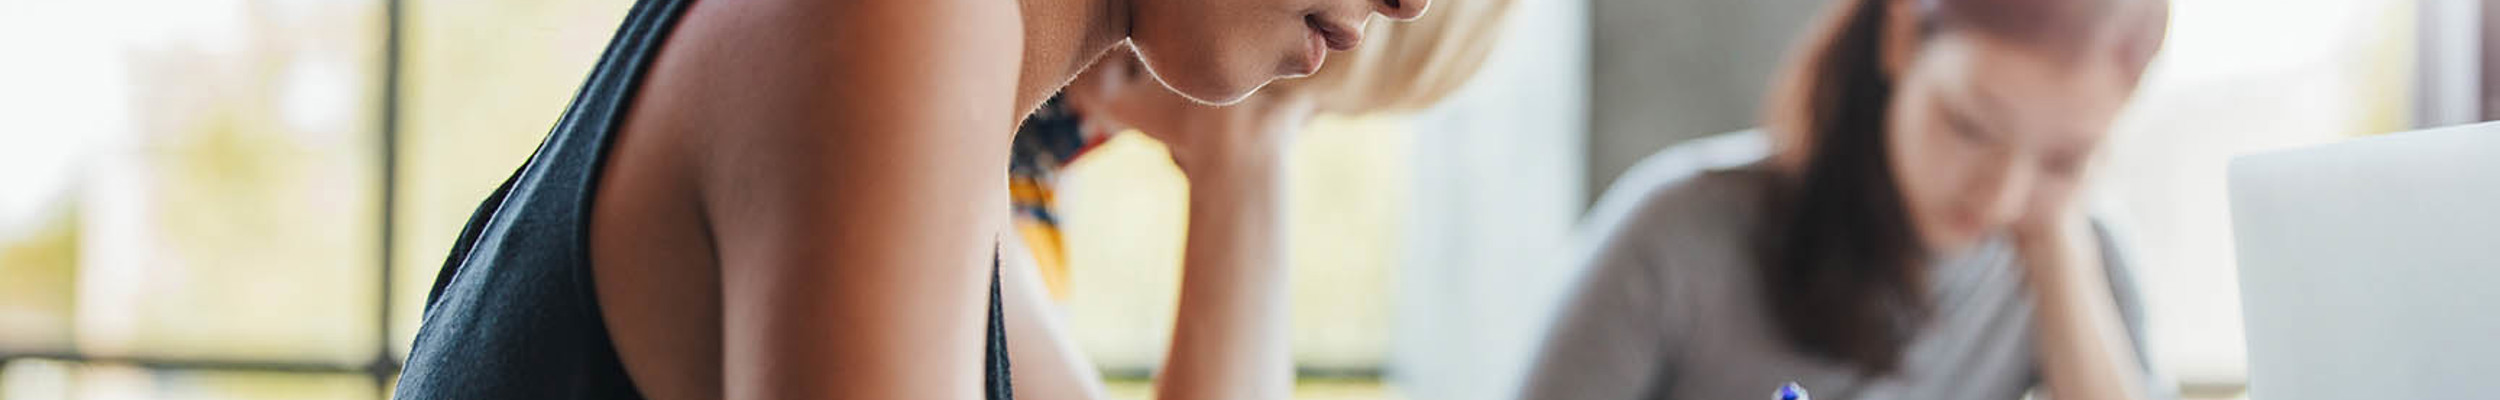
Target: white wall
1497	184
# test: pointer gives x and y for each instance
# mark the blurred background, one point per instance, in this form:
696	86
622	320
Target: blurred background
247	199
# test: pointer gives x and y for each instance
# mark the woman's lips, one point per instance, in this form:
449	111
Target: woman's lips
1340	36
1323	37
1314	53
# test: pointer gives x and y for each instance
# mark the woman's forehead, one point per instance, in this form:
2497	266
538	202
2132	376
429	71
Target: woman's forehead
2018	88
1983	60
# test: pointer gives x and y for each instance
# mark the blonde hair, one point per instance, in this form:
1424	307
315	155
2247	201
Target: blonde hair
1408	66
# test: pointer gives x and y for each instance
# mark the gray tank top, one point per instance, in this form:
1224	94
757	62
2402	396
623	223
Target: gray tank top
512	314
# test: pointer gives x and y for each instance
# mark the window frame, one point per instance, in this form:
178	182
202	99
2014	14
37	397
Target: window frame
383	365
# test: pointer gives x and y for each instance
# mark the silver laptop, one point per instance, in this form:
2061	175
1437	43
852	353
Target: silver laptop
2370	268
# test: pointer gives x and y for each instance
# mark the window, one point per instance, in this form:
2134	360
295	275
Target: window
202	216
2237	76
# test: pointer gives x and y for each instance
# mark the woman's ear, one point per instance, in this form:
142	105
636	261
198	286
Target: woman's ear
1903	28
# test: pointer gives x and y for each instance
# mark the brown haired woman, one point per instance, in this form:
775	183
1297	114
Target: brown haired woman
1912	233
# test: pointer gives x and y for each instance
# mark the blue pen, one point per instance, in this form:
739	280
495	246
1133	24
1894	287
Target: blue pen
1790	391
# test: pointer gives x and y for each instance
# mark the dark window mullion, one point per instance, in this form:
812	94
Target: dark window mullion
385	366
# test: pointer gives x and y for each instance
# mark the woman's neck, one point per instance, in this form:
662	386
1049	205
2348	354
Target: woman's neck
1061	38
1284	111
1276	116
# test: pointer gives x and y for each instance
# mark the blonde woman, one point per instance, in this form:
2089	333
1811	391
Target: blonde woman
792	199
1233	159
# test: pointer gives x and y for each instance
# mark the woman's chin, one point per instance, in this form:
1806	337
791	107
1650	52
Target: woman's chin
1220	95
1218	88
1206	79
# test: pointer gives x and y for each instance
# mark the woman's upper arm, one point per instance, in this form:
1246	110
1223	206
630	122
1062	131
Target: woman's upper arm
852	178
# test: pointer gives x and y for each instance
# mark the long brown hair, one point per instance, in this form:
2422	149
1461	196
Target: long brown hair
1839	251
1841	260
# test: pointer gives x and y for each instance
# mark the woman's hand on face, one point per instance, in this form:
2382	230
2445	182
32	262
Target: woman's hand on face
1230	341
2058	232
1206	142
2085	350
1226	142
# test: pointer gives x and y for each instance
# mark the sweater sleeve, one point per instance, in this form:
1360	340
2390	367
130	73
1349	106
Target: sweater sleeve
2116	259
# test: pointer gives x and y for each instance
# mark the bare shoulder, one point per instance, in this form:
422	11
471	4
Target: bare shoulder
779	104
787	86
847	155
881	49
